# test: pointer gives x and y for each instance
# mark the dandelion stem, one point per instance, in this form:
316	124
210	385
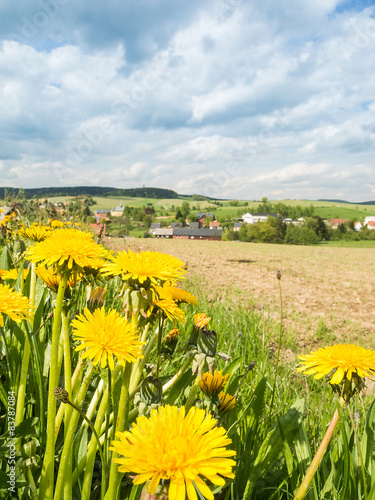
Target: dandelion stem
47	476
25	363
136	375
122	423
68	387
302	490
179	374
66	452
279	345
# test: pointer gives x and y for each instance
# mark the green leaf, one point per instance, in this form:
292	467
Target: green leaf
179	387
6	260
269	465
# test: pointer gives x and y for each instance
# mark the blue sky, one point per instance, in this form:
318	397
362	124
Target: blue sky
227	98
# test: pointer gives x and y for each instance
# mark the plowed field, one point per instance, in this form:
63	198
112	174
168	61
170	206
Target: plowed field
328	293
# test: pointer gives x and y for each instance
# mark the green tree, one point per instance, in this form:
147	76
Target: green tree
185	209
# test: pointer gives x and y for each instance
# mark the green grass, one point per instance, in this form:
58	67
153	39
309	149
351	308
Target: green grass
349	244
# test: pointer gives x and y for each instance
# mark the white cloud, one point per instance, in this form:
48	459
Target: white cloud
240	98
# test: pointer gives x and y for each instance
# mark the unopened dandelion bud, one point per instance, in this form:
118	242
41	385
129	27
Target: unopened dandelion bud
61	394
28	449
151	391
95	298
207	342
19	246
170	341
278	274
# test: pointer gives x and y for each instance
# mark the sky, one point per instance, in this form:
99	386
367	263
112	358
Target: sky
224	98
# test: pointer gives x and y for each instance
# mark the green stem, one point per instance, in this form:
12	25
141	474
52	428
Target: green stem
179	374
66	452
192	394
302	490
160	332
25	364
91	453
107	417
359	452
68	387
122	423
75	380
47	475
278	347
136	375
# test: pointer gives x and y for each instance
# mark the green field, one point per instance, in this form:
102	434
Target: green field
322	208
349	244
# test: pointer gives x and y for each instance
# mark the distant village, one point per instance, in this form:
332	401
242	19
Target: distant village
206	227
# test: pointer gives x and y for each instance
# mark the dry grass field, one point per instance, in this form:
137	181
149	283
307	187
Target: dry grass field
328	293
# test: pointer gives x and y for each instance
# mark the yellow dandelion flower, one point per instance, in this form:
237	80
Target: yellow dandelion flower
6	219
201	320
177	294
52	280
57	223
106	335
172	335
13	304
339	362
227	402
66	249
12	274
213	384
144	267
185	449
171	310
35	233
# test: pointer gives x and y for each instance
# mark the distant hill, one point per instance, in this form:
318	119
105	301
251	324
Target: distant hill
46	192
350	202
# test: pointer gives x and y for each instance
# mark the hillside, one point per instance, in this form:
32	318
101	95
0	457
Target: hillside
47	192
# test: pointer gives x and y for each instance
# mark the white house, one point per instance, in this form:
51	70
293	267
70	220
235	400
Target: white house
254	218
357	226
370	218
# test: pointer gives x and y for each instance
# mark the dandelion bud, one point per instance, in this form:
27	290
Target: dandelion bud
28	449
207	342
151	391
19	246
278	274
170	341
61	394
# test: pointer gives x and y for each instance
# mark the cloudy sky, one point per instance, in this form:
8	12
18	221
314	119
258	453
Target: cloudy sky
226	98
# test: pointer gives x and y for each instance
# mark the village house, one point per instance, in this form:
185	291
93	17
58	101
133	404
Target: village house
163	232
254	218
237	226
153	227
202	216
100	214
336	222
357	226
370	218
187	233
175	225
371	224
117	211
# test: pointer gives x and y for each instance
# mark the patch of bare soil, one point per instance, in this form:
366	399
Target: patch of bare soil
328	293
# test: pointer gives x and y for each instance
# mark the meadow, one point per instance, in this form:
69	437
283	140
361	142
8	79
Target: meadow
244	315
328	292
322	208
